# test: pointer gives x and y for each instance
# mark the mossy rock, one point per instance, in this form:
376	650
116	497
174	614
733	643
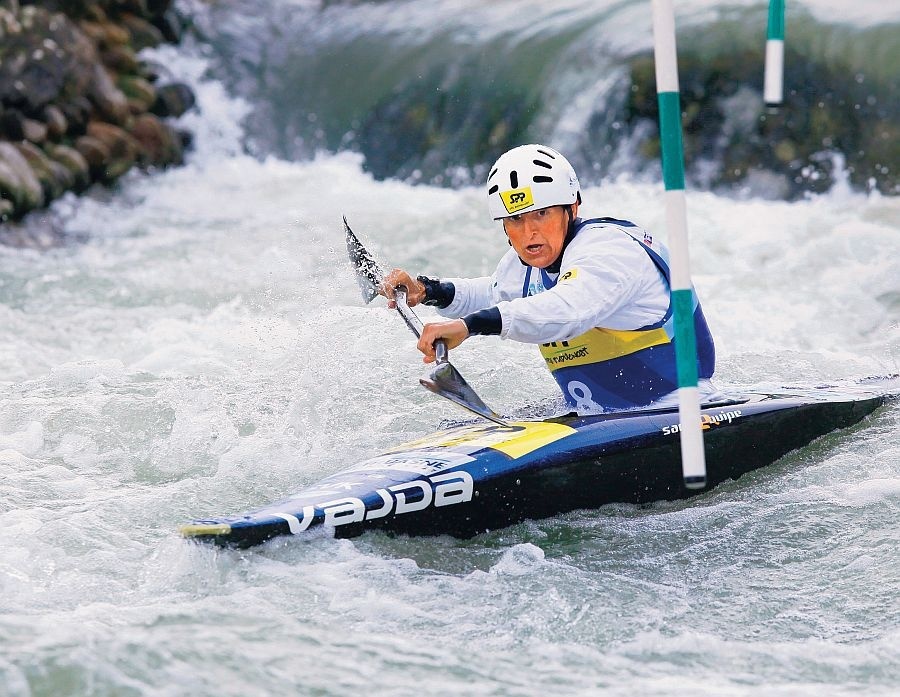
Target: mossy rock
159	145
121	59
109	100
18	183
143	33
137	89
56	122
123	150
73	161
53	182
94	152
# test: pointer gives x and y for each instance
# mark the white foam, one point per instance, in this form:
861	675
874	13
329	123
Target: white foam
26	442
519	560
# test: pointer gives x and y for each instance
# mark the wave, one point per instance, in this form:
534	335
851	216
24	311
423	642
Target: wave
434	90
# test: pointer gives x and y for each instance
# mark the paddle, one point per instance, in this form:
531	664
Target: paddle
443	379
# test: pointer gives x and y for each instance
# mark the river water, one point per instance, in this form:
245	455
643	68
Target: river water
200	349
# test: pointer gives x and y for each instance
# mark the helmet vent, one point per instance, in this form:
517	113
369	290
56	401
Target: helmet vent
546	165
493	190
514	179
540	179
491	175
550	155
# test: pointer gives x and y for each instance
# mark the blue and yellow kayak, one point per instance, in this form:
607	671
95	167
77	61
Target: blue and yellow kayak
483	476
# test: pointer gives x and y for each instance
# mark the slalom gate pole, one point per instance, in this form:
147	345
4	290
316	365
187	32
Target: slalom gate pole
693	459
773	88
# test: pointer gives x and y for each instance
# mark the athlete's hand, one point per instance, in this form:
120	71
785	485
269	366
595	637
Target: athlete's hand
415	290
454	332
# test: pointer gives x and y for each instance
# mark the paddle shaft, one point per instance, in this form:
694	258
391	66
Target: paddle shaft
442	354
444	380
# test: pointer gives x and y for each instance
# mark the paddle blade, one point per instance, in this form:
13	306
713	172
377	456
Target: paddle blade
445	380
368	272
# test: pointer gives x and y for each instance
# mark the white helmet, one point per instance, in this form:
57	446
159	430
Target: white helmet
528	178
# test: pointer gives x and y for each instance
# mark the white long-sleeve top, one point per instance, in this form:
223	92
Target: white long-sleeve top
613	284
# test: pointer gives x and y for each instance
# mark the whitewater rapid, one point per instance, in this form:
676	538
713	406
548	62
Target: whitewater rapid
200	348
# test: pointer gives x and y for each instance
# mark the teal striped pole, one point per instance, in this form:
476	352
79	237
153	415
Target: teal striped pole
693	459
773	88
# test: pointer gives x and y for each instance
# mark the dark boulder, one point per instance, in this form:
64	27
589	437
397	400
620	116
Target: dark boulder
170	25
143	33
77	112
111	104
121	59
57	124
75	9
122	148
44	58
173	100
12	124
94	152
159	145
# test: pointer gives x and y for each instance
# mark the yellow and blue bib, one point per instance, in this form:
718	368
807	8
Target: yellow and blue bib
611	370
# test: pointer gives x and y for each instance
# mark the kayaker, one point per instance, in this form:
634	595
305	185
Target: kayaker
595	294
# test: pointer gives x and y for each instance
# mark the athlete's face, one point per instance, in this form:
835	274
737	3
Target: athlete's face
538	236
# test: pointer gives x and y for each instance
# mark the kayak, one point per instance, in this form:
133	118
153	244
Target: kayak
483	476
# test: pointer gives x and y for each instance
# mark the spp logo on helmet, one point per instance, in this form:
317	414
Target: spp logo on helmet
517	199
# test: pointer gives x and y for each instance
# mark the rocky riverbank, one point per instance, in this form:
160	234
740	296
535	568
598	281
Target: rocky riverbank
77	104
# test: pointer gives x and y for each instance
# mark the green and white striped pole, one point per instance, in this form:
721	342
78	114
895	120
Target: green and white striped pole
693	459
773	87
